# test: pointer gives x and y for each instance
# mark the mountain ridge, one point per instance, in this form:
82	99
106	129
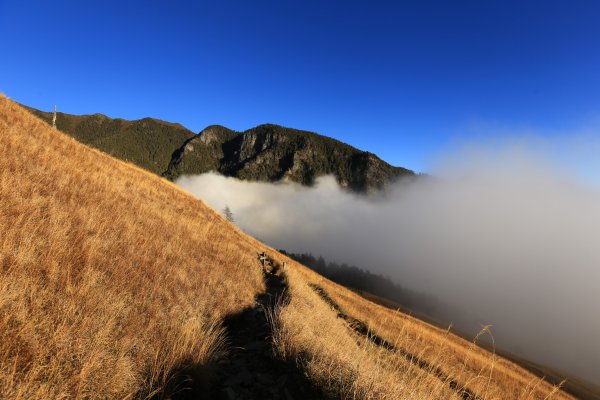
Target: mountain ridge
267	152
147	142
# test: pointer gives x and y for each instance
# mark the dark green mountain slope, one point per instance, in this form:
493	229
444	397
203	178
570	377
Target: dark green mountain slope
264	153
147	142
271	153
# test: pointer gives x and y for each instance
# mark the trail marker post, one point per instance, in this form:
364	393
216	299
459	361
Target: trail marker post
263	259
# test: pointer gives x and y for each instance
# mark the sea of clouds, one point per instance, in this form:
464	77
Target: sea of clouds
504	234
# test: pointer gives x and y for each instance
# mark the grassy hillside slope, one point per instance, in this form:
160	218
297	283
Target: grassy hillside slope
113	282
111	278
413	359
149	143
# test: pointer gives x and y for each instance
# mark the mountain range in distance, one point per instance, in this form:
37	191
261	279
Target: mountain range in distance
266	153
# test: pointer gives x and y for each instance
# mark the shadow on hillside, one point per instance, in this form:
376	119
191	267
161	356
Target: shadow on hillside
249	370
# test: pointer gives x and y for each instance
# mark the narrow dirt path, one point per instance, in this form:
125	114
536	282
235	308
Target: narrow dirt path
251	371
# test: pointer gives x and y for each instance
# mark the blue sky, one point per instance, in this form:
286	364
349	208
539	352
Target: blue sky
403	80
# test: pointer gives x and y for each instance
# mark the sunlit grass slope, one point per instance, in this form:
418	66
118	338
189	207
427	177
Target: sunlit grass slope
112	280
425	362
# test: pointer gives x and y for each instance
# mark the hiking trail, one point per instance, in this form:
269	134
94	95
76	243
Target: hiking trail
251	370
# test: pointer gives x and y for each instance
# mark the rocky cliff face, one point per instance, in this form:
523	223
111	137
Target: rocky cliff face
272	153
265	153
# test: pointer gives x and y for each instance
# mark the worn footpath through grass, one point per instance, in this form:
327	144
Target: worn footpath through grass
251	369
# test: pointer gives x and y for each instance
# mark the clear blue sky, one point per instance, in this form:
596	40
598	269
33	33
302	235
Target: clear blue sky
400	79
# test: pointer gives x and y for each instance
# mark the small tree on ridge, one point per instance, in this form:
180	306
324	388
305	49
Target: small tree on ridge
228	214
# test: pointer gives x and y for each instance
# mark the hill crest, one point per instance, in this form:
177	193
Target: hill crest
267	152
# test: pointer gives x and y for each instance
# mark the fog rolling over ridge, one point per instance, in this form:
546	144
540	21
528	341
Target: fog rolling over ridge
506	236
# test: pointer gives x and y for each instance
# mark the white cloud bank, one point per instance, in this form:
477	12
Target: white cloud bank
503	235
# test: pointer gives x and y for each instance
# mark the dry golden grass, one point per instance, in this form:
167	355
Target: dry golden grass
345	364
374	372
113	279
